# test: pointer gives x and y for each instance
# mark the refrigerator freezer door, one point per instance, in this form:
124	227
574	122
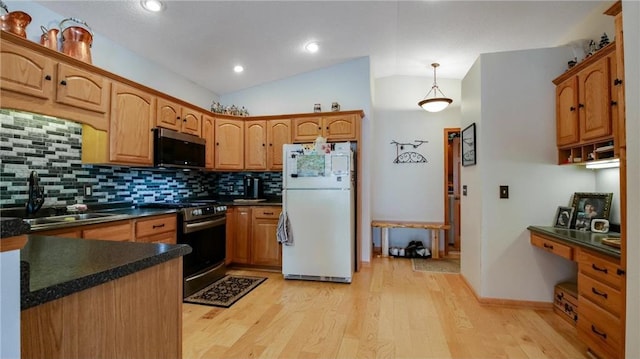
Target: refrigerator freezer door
322	226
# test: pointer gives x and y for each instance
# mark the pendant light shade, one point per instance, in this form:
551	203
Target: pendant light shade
435	103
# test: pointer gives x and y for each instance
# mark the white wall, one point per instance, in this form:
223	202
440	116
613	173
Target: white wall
348	84
608	181
631	23
114	58
516	147
10	304
409	191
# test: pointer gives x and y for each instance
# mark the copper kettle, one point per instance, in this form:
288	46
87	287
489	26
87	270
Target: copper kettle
49	38
14	22
77	39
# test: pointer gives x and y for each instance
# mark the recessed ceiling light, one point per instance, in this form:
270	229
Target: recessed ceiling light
152	5
312	47
238	68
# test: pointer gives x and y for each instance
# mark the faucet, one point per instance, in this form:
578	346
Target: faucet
36	194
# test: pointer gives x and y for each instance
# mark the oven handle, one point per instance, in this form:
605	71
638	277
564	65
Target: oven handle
198	226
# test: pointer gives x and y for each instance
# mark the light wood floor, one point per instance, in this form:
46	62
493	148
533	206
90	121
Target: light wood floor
389	311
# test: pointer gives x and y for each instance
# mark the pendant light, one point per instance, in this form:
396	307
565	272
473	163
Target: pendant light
435	104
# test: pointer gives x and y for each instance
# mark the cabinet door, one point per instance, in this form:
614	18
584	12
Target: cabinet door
156	225
118	231
230	235
207	134
567	112
229	151
82	89
306	129
132	113
241	248
265	249
26	72
168	114
339	128
255	138
191	121
594	101
278	134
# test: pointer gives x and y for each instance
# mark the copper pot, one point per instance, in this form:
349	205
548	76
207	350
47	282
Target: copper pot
49	38
16	22
77	39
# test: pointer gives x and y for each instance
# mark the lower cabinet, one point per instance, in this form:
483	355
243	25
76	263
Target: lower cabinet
252	236
154	229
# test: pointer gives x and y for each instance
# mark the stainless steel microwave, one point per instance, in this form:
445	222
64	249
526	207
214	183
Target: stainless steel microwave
180	150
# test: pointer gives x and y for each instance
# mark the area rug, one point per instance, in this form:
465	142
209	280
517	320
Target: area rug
442	265
225	291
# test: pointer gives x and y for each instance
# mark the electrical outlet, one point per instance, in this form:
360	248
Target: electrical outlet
88	191
230	188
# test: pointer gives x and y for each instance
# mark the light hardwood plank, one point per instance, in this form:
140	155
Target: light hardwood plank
389	311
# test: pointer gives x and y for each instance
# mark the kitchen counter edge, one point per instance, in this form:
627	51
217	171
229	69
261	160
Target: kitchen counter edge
587	240
53	266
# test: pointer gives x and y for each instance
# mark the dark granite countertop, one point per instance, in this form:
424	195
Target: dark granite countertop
12	226
588	240
54	267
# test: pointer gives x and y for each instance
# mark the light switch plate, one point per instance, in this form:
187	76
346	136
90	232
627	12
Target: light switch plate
464	190
504	191
88	191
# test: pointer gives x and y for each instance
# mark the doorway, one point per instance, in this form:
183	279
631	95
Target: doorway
451	191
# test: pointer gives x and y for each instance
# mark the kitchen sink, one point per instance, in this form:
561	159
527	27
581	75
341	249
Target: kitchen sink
66	218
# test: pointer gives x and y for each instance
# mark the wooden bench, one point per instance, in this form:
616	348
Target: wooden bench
434	227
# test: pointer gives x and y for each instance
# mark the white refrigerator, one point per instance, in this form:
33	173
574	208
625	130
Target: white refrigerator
318	200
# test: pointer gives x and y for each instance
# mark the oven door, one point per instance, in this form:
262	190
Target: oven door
207	239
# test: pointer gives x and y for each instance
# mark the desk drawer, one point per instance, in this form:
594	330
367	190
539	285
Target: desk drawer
604	270
600	294
600	330
550	246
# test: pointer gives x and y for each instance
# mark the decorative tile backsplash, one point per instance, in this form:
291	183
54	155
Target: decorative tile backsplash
52	147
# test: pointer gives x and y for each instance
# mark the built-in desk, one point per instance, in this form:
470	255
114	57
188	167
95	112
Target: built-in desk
600	281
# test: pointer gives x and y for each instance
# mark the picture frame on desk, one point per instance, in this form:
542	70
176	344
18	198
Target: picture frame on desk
563	217
590	205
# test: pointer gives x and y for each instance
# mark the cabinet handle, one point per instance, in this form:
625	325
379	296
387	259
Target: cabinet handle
548	246
268	213
620	272
572	108
603	335
319	128
580	105
263	145
271	144
63	83
603	270
597	292
48	77
217	143
158	226
614	103
617	82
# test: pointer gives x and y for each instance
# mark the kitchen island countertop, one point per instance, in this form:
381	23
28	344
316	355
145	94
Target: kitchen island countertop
54	267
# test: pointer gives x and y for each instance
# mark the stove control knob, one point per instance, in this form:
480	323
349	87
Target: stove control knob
196	212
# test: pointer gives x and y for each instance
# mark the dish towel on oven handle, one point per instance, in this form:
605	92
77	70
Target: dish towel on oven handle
284	230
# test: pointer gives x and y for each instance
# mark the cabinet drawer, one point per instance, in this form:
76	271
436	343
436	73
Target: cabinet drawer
602	269
552	246
266	212
599	329
600	294
155	225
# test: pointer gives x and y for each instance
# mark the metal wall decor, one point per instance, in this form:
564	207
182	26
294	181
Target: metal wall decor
409	156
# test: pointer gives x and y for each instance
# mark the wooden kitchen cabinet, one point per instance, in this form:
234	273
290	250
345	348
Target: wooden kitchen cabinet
229	140
178	118
34	82
64	232
338	127
255	141
584	109
112	231
208	131
263	143
242	235
132	114
552	246
265	249
156	229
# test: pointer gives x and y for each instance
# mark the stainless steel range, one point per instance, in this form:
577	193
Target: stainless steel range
202	225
